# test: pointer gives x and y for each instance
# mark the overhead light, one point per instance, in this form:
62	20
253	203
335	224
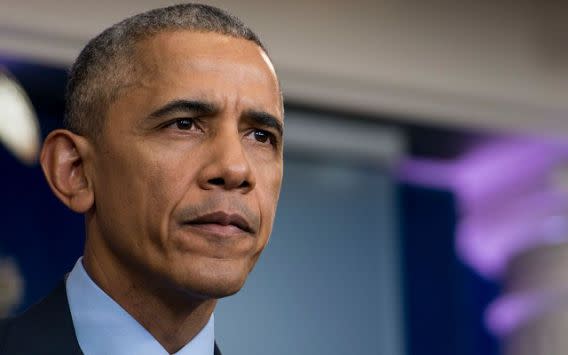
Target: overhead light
19	127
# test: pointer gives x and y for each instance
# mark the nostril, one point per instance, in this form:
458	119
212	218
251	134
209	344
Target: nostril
229	184
217	181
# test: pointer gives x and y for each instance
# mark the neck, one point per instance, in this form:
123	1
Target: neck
172	316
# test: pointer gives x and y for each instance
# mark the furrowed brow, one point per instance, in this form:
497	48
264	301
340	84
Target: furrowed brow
265	119
184	106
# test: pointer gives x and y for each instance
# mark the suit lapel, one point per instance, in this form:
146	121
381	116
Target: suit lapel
217	351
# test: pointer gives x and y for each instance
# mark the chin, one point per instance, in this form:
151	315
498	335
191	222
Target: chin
217	279
217	291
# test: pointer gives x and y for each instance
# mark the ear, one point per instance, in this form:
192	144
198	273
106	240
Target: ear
63	159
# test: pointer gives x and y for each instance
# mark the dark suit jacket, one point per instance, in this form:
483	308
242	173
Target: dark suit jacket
44	329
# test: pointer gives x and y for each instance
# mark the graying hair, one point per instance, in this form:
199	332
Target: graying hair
104	66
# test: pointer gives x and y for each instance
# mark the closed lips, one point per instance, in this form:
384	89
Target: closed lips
223	219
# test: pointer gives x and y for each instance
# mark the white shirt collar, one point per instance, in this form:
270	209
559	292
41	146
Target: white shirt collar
103	327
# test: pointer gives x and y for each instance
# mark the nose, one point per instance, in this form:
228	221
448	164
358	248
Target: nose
228	167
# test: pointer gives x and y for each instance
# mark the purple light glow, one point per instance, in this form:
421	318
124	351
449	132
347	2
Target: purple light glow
488	239
508	199
431	173
504	170
506	314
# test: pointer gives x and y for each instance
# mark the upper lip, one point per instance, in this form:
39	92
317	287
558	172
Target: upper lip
224	219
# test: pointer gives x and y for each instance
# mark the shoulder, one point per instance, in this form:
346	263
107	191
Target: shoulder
4	324
48	323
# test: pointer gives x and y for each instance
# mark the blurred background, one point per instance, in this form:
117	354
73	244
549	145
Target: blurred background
425	201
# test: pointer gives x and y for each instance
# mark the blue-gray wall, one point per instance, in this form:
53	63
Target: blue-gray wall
329	280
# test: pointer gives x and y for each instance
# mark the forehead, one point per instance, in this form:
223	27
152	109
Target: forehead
199	61
202	44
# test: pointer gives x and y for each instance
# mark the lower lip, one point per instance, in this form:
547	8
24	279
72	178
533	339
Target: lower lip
218	229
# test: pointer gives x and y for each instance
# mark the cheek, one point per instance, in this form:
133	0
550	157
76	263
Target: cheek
141	186
166	181
268	190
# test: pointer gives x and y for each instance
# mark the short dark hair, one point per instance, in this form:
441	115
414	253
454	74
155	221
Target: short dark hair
104	66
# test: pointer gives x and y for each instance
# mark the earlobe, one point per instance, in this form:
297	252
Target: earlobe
63	160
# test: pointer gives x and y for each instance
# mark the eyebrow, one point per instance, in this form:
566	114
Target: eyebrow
185	106
206	108
265	119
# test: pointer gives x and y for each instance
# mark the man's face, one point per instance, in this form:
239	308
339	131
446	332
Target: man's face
188	170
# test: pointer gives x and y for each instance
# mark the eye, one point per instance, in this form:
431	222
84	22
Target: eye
181	124
261	136
184	124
